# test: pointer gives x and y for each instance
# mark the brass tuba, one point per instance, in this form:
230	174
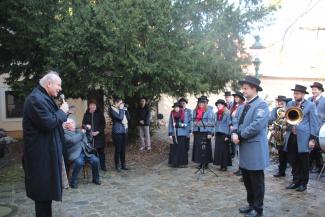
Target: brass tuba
279	126
294	115
280	115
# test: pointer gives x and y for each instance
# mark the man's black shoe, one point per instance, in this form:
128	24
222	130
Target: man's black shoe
279	175
124	167
104	169
74	186
237	173
97	182
245	209
301	188
253	213
292	186
117	168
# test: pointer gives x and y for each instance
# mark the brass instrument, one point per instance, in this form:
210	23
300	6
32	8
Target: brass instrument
280	117
279	126
294	115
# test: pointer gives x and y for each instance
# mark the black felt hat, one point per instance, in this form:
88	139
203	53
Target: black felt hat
183	100
203	99
239	94
318	85
300	88
281	98
227	93
221	101
177	104
252	81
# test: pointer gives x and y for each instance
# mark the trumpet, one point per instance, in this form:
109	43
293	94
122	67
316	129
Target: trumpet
294	115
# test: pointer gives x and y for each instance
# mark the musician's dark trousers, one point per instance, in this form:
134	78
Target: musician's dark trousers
298	161
255	188
43	208
119	141
282	160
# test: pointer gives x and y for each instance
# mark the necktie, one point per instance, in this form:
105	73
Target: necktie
243	114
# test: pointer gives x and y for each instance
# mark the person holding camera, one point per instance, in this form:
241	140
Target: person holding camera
95	118
79	151
119	115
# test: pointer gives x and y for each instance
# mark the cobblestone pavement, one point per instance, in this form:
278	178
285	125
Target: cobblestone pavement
165	192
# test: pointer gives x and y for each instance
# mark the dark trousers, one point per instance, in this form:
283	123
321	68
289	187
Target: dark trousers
43	208
101	156
298	161
282	161
255	187
187	143
80	162
119	141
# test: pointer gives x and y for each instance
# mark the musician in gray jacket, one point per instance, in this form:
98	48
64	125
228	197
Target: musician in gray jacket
250	133
300	137
319	100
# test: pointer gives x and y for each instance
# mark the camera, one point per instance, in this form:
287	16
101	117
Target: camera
88	133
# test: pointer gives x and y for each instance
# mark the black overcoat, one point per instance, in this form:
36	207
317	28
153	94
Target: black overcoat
98	123
43	144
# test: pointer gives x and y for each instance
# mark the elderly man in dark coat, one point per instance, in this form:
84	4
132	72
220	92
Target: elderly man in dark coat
43	141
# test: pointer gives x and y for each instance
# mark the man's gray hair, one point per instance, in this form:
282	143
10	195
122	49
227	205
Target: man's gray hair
51	76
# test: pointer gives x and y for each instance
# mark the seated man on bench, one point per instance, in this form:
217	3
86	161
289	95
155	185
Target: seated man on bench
79	151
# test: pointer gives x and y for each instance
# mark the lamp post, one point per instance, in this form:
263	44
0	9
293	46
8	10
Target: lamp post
257	62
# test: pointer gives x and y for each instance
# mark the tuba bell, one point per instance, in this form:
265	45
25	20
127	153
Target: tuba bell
294	115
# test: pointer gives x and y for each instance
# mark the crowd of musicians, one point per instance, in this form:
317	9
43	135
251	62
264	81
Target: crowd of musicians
240	129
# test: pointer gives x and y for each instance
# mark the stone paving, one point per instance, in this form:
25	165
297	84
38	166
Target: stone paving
166	192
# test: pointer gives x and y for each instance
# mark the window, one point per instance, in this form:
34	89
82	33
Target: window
14	105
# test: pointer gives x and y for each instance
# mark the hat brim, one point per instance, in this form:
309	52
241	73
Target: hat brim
177	106
183	100
225	104
302	91
240	96
322	89
258	88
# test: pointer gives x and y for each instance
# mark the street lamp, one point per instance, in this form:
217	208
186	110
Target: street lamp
257	62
